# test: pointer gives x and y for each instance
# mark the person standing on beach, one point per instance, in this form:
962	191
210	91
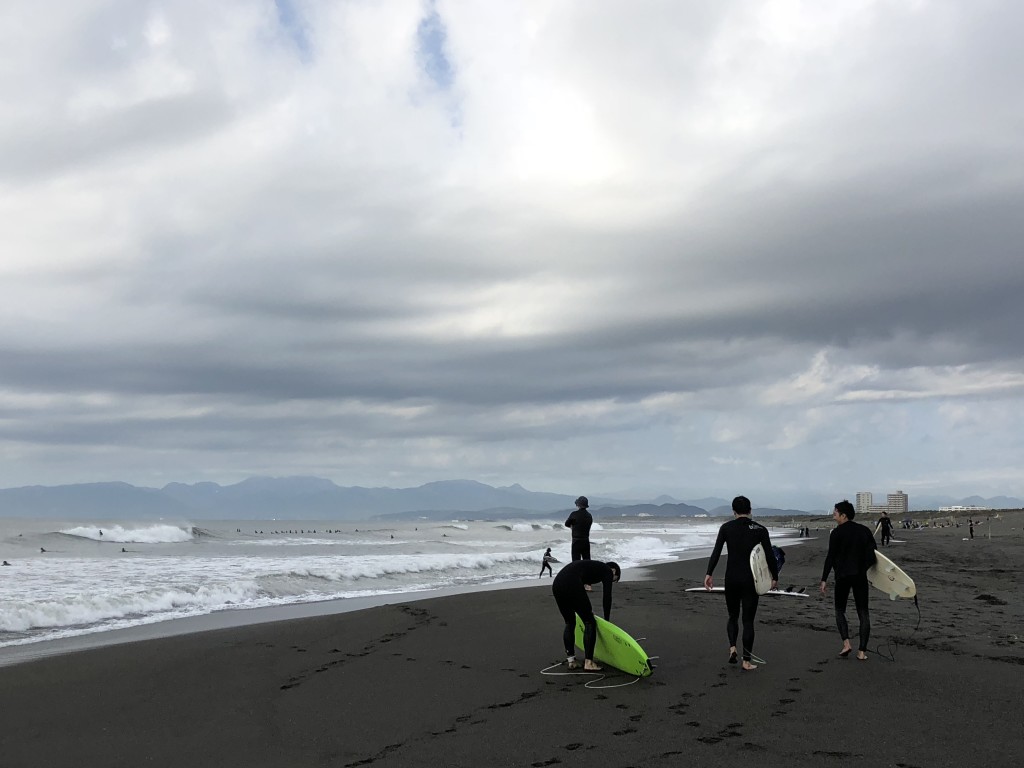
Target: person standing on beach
569	589
851	551
546	563
885	523
741	535
579	522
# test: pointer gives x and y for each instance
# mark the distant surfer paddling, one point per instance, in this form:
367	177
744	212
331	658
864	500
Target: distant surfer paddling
851	551
741	535
571	597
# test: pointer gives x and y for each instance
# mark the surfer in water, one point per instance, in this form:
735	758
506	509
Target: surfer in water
741	535
851	551
579	523
571	597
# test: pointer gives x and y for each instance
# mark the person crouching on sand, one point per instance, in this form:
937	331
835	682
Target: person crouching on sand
571	597
741	535
851	551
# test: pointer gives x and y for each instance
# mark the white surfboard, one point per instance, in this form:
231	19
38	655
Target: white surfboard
774	592
888	577
759	567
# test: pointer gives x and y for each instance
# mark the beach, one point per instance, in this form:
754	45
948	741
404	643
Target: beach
460	680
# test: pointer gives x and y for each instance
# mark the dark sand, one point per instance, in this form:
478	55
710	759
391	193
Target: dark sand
457	681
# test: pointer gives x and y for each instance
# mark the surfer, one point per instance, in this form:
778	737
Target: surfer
6	563
741	535
546	563
885	524
579	522
851	551
571	597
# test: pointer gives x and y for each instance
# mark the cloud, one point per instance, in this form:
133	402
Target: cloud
689	247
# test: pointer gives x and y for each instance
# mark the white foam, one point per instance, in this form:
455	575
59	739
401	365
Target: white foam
152	534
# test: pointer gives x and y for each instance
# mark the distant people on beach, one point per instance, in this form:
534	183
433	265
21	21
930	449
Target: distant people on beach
851	551
970	526
740	535
546	562
579	522
569	589
885	525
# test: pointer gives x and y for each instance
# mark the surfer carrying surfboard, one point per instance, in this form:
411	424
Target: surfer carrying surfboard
851	551
571	597
741	535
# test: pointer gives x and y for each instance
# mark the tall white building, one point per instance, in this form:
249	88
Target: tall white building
896	504
864	501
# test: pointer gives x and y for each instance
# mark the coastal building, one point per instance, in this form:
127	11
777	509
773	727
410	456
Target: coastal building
963	508
896	504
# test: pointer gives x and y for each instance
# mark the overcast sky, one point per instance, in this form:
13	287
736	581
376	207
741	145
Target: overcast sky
687	247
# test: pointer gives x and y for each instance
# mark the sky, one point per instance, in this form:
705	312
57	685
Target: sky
666	246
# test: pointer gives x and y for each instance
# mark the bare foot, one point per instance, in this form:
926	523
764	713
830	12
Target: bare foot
590	666
573	664
748	667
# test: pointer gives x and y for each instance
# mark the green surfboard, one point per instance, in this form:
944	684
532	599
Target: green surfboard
616	648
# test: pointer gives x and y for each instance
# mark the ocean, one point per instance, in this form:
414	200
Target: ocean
70	579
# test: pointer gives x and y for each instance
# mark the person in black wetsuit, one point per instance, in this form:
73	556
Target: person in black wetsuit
851	551
885	524
579	523
741	535
571	597
546	563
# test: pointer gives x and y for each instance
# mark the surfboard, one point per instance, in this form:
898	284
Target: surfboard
888	577
759	567
775	592
616	648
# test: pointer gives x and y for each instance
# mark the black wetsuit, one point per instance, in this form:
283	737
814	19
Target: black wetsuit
886	525
851	551
579	522
546	564
741	535
572	599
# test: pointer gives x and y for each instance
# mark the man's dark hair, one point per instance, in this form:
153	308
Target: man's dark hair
741	505
844	507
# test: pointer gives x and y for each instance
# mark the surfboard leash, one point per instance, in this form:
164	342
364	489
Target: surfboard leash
591	684
893	643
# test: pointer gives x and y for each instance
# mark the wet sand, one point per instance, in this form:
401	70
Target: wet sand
458	680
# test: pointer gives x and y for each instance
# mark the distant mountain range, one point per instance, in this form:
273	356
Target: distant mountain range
314	498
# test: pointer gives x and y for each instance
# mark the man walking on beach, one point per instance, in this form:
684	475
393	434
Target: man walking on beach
569	589
851	551
546	563
741	535
579	523
885	523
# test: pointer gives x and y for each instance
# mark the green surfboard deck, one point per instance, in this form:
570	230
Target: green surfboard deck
616	648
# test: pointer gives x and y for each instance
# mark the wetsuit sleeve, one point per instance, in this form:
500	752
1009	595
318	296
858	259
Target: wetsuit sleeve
830	556
717	551
769	556
606	584
569	520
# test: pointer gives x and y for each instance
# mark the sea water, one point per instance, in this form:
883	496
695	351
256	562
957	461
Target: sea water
68	579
